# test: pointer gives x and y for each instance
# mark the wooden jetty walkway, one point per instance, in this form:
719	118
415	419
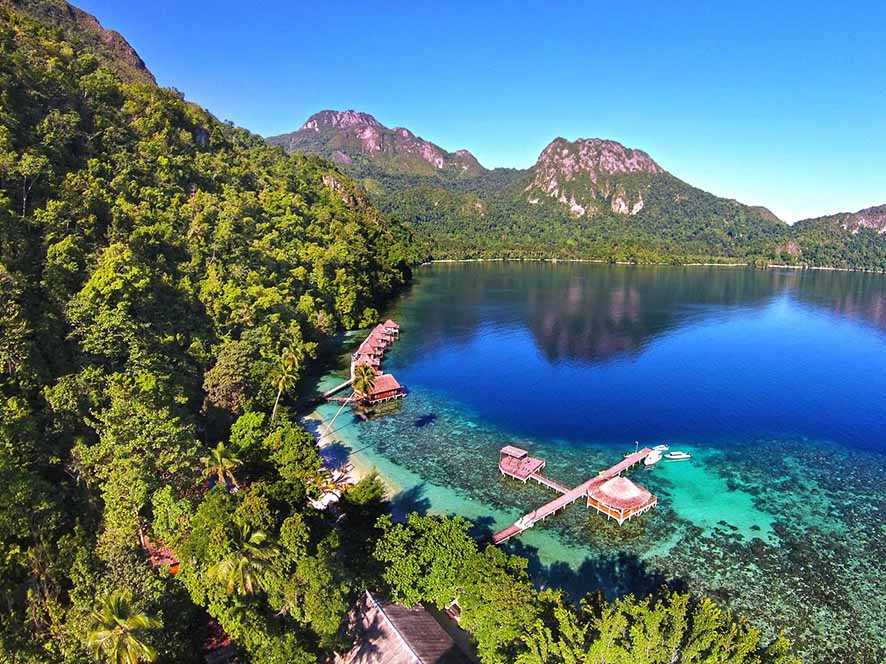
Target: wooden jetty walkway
338	388
370	353
608	492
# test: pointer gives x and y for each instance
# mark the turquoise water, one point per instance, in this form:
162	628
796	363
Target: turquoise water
774	381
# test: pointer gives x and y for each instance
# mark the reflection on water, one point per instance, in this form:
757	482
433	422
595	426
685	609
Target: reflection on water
772	379
611	354
592	313
857	296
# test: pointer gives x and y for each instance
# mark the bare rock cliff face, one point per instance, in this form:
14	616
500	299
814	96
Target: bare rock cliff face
873	218
589	175
345	135
870	219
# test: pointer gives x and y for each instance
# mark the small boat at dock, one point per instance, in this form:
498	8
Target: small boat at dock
677	456
661	448
652	458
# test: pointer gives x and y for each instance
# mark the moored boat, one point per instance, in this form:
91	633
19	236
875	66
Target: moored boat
677	456
652	458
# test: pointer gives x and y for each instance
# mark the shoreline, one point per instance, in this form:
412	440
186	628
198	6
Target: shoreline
601	261
356	467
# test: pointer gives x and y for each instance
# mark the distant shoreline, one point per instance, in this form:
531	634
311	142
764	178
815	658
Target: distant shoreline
600	261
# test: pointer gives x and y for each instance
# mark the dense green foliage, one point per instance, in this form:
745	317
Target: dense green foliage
157	267
165	280
488	216
824	241
476	213
434	560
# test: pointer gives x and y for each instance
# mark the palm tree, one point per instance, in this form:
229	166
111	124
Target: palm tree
242	570
324	481
221	463
286	375
362	382
116	631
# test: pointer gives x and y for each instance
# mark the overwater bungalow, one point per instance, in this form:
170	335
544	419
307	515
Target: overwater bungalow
620	498
369	361
608	492
385	388
383	332
517	463
392	327
372	345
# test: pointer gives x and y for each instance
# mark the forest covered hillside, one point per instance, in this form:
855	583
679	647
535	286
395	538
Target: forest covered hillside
162	274
582	199
82	30
166	278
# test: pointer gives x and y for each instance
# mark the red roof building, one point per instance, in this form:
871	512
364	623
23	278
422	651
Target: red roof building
382	331
370	347
517	463
385	388
367	360
620	498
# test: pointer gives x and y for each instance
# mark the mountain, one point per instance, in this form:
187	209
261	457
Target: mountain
351	138
847	239
872	218
159	271
85	32
587	176
588	198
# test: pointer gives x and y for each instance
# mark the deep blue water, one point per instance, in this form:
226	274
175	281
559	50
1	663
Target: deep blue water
613	354
775	381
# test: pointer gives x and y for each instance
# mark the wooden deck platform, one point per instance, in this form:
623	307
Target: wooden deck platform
370	352
595	490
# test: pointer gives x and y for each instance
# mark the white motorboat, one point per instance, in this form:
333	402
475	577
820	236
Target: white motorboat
661	448
677	456
652	458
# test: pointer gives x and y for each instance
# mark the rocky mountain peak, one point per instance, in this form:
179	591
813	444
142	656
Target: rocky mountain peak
587	174
593	156
341	120
346	136
84	29
872	217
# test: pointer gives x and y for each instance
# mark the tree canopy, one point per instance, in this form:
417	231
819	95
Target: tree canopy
166	278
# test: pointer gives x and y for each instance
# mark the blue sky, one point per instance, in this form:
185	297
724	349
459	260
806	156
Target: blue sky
780	104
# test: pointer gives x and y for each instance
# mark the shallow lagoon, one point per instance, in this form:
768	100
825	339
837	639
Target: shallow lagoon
774	381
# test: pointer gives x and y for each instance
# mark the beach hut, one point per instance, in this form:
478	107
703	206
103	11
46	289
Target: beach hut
388	633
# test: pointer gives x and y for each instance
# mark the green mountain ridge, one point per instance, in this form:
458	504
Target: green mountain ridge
588	198
163	276
84	31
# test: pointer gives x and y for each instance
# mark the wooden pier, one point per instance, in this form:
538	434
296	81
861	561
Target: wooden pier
608	492
370	353
338	388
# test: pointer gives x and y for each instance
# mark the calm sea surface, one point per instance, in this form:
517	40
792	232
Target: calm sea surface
774	381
